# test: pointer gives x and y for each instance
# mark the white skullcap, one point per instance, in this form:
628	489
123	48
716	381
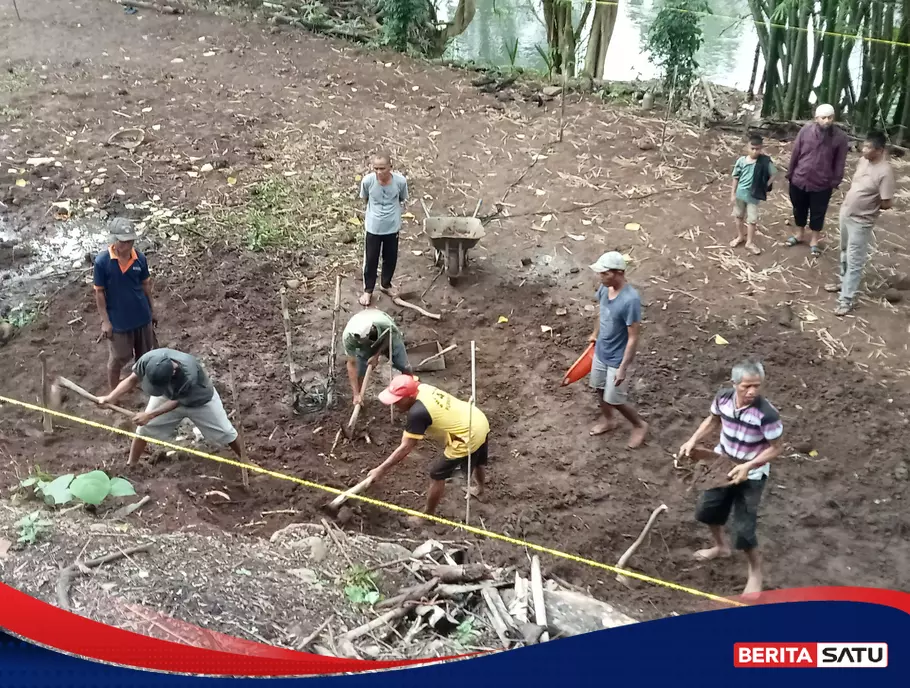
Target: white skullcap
824	110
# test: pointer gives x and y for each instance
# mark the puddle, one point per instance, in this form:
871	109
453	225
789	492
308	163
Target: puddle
31	261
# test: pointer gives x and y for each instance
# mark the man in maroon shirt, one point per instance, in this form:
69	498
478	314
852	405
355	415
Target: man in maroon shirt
816	169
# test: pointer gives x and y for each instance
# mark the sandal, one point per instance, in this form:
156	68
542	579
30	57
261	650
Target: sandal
816	251
793	241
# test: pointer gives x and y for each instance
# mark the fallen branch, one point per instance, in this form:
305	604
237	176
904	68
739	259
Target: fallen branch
467	573
415	592
77	567
163	9
378	622
398	301
623	560
302	645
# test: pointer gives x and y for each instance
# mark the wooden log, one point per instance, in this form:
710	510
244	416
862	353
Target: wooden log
540	610
623	560
73	387
398	301
466	573
415	592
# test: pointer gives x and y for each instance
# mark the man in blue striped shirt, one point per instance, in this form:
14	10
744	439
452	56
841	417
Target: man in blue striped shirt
750	434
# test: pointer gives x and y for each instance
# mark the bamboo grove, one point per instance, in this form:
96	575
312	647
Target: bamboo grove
853	54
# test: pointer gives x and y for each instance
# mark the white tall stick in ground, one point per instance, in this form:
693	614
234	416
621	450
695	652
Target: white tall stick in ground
467	509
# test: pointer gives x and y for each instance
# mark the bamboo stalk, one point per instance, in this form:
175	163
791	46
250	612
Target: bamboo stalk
467	509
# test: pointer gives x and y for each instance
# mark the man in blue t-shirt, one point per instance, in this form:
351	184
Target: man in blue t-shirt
616	337
123	294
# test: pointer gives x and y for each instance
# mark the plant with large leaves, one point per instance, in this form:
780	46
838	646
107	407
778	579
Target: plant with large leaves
91	488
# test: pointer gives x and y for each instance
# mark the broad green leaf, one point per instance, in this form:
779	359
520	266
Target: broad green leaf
91	487
372	597
28	482
120	487
57	491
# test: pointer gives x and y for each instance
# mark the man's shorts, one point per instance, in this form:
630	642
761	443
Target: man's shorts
443	468
399	359
210	418
748	210
603	377
132	345
715	505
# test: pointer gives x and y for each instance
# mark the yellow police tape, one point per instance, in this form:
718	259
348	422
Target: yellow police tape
376	502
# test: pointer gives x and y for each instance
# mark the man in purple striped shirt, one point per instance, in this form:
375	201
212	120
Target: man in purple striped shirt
750	434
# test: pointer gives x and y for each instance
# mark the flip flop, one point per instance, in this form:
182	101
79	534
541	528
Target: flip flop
793	241
816	251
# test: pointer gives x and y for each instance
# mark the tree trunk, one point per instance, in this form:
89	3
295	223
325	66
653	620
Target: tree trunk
599	41
771	106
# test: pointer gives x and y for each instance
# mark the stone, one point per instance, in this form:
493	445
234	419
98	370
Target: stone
900	282
572	613
526	261
390	551
551	91
893	296
318	550
306	575
902	471
293	283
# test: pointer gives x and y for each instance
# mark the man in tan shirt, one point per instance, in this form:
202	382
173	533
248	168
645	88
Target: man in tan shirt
870	192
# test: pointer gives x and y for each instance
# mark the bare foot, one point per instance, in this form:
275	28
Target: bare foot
712	553
391	292
753	249
365	298
602	427
737	242
753	585
637	438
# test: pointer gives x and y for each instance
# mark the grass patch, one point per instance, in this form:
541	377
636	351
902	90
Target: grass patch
294	213
13	79
8	113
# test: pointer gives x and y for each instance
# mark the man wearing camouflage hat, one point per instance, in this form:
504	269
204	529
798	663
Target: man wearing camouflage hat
123	294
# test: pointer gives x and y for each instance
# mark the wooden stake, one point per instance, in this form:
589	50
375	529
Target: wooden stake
391	374
562	105
244	473
330	387
467	508
287	336
45	395
663	132
16	7
540	609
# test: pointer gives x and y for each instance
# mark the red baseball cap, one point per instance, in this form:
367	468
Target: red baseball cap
401	387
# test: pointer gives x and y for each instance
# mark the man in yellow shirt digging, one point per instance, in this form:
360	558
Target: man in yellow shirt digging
430	411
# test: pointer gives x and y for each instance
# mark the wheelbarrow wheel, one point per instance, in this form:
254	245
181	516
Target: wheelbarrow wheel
453	264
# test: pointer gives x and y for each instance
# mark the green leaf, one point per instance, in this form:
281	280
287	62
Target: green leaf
120	487
57	491
356	594
372	597
91	487
28	482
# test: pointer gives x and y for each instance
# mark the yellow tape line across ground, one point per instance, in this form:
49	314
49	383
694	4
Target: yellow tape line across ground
386	505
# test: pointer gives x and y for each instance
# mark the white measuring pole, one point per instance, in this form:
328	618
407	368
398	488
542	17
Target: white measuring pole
467	509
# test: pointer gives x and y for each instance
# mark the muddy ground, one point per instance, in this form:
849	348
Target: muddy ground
287	121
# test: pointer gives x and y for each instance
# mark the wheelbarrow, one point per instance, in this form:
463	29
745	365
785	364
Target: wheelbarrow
452	238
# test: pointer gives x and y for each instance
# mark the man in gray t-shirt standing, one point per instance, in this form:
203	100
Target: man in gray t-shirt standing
616	337
179	388
385	193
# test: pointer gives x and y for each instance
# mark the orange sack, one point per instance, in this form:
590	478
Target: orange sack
581	367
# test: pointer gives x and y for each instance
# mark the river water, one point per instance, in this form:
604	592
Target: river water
725	58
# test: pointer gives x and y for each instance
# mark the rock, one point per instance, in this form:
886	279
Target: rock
306	575
785	317
484	80
318	550
803	447
551	91
893	296
504	97
348	237
6	332
574	270
293	283
526	261
900	282
902	471
573	613
389	551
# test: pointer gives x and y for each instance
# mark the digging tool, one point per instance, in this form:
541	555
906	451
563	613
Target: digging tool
349	428
73	387
333	506
244	473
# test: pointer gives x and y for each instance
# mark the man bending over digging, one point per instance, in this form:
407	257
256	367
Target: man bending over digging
430	411
750	434
179	388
